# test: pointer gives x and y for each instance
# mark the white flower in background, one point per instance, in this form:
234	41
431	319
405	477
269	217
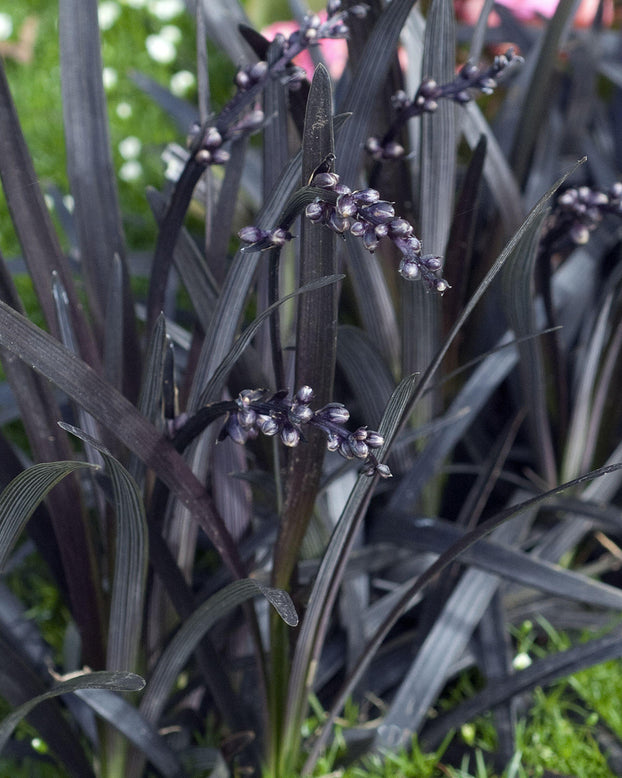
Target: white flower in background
6	26
160	49
166	9
69	202
182	82
131	170
110	77
124	110
171	33
49	201
129	148
521	661
108	13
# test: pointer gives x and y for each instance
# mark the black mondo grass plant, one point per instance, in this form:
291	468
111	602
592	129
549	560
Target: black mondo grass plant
372	382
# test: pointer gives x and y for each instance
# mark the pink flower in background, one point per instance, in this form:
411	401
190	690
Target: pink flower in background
468	11
334	50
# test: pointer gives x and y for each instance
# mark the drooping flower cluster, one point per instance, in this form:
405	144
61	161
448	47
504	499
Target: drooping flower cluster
242	114
285	416
580	210
469	79
363	214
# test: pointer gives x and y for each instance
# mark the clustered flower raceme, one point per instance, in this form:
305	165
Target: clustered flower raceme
469	79
285	48
207	141
581	209
363	214
286	417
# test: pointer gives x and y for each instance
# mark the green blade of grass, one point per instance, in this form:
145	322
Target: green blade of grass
540	673
446	558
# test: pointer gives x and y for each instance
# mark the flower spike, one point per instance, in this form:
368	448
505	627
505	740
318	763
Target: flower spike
287	417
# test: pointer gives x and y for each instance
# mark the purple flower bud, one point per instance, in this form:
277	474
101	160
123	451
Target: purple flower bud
342	189
400	228
432	262
279	236
428	88
393	150
579	234
335	413
378	213
501	61
373	147
358	229
249	396
616	191
345	450
598	199
381	231
310	34
235	430
314	212
383	471
267	425
251	121
193	133
469	70
366	196
346	205
440	285
430	106
336	30
203	157
338	224
247	418
300	414
325	180
290	436
252	234
242	80
212	139
332	442
304	394
358	447
410	245
220	157
374	439
462	97
400	100
409	269
370	241
258	71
